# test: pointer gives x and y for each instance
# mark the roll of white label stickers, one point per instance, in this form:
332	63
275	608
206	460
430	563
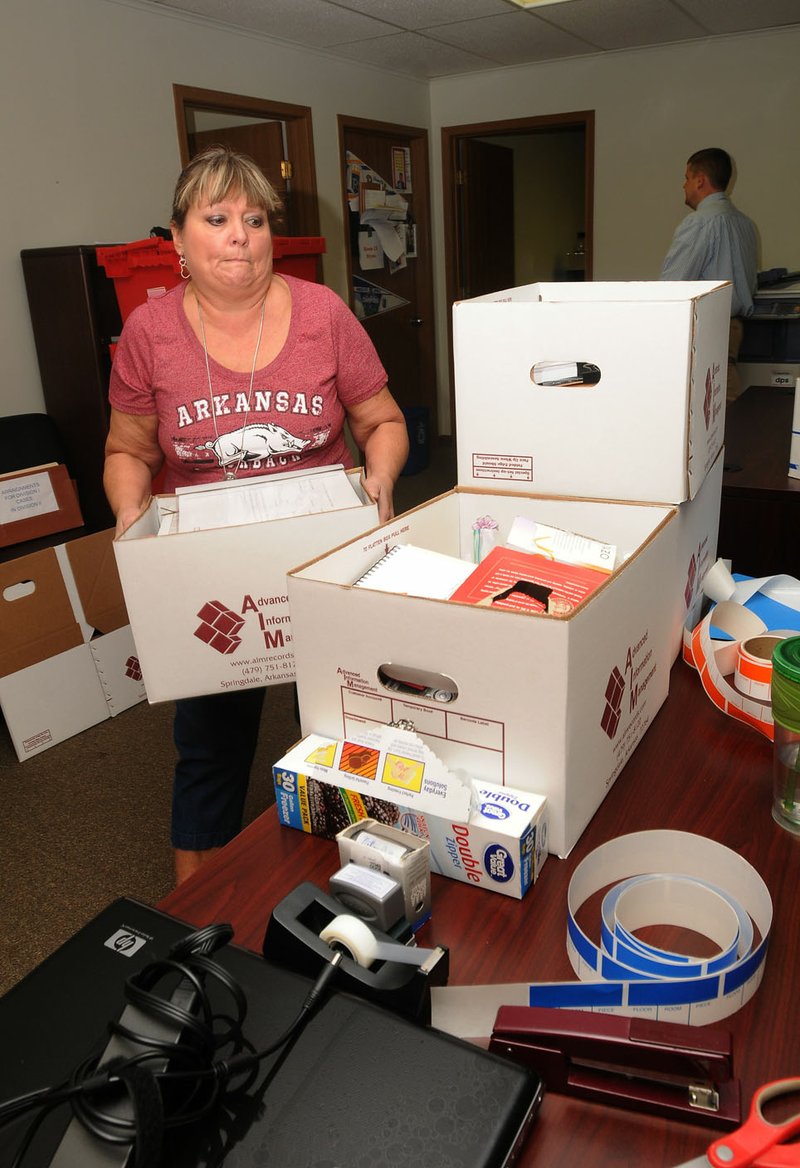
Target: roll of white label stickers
716	661
747	696
666	877
753	675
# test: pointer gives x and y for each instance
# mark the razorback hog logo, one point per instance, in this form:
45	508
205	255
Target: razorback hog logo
254	443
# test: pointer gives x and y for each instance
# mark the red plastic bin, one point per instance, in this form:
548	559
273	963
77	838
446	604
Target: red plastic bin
150	267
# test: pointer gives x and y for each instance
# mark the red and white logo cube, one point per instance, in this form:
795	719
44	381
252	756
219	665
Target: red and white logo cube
613	706
220	627
133	669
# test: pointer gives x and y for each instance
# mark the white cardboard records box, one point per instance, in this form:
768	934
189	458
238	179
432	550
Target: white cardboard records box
630	399
697	531
548	704
209	608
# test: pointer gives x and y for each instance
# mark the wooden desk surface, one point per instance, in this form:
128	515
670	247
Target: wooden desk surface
695	770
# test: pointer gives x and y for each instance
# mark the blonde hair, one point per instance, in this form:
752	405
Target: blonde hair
216	173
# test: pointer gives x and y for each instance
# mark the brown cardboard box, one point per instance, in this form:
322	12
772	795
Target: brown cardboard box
67	657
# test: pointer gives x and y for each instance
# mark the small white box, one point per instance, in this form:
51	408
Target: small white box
794	452
649	429
481	834
402	856
209	609
502	846
67	657
548	704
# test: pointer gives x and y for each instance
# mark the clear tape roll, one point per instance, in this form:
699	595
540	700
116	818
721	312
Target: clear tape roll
359	940
665	877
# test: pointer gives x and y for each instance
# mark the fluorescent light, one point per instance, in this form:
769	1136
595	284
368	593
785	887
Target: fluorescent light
536	3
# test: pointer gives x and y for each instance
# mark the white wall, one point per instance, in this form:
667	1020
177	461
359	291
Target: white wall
654	107
89	143
90	147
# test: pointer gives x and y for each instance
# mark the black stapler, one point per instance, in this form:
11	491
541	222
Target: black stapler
293	940
665	1068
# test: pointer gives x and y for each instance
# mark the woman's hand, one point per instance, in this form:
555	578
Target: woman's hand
125	517
381	491
379	429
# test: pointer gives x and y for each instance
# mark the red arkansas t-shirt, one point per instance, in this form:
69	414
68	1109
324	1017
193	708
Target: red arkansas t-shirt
299	401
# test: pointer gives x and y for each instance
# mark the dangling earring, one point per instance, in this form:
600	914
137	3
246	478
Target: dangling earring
185	273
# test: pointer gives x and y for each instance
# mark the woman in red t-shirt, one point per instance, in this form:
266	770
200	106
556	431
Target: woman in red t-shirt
238	371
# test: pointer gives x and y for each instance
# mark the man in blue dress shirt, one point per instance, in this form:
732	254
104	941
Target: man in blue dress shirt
717	242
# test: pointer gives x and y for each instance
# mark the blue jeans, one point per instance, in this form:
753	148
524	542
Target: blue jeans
216	738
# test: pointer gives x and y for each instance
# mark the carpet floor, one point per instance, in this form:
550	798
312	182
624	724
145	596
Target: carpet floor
88	820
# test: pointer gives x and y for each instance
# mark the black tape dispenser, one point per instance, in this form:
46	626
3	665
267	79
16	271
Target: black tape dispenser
308	923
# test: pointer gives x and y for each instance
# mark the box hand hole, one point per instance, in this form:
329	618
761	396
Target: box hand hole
417	683
19	591
565	373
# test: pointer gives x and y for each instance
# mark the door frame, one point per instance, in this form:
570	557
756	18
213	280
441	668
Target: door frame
299	140
418	143
452	136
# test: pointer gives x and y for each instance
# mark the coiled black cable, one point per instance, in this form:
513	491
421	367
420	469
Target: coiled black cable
134	1100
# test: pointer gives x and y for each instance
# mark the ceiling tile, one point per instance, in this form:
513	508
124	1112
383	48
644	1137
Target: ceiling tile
436	38
623	24
417	14
511	39
743	15
407	52
314	23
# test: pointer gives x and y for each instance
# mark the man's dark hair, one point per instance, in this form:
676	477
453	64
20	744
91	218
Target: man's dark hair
715	164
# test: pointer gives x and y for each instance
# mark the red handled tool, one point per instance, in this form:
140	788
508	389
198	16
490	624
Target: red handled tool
757	1142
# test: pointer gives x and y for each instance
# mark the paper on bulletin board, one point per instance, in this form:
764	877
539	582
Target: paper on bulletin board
359	173
385	213
370	251
401	169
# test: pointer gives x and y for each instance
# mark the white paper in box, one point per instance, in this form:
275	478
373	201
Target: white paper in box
481	834
551	705
209	609
652	426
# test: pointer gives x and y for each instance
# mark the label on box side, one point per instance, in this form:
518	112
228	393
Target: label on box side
23	498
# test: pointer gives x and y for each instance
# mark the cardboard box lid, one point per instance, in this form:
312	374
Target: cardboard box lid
43	497
601	292
36	614
94	568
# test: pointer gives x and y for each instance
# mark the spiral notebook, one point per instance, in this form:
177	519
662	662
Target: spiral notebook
416	571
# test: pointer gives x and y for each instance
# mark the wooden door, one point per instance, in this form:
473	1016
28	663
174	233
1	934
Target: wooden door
263	142
194	106
486	242
393	298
